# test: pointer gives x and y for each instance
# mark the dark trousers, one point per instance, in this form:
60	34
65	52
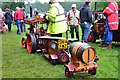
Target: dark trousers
57	35
72	28
9	22
9	26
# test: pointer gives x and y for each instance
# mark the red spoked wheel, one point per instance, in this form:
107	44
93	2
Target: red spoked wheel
31	43
23	43
68	73
91	38
63	58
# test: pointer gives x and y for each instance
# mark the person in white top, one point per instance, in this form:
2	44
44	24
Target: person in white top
73	21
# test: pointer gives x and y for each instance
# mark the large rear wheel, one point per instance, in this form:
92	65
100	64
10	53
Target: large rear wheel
31	43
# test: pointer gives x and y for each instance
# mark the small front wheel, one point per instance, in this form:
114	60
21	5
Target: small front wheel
63	58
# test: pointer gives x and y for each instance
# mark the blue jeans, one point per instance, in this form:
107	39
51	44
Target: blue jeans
85	31
23	27
108	35
19	24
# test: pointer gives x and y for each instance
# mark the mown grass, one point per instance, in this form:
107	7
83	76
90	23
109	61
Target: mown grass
17	63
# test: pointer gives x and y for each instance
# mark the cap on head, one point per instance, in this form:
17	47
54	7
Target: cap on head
73	5
35	9
17	8
53	1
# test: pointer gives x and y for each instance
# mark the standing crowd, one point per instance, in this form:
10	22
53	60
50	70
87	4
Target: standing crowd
82	17
57	20
17	17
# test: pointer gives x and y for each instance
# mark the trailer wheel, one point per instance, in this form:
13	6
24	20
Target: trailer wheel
92	72
91	38
68	73
63	58
23	43
31	43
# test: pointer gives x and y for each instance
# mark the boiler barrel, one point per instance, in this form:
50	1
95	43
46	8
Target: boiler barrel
82	52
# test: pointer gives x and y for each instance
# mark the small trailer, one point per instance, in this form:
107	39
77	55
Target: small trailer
83	59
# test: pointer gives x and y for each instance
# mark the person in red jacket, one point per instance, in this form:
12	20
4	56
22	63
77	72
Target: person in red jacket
111	12
18	18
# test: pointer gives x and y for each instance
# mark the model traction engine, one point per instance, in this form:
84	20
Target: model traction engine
80	57
53	48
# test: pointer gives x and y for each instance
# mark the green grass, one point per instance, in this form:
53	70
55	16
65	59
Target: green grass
17	63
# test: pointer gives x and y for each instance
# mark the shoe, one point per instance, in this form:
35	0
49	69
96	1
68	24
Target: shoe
96	59
82	41
109	46
101	44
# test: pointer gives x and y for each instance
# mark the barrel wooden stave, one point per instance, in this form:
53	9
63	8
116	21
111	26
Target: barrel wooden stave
82	52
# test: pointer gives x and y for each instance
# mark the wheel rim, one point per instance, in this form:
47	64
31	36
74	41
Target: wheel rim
23	43
67	72
90	37
29	44
64	58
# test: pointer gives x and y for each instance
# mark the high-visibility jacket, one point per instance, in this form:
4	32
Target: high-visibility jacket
112	15
56	17
73	17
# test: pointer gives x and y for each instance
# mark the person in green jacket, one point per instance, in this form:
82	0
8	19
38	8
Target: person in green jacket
56	17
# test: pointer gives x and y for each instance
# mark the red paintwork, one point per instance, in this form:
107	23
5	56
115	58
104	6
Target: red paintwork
64	58
67	73
101	29
23	43
90	37
29	46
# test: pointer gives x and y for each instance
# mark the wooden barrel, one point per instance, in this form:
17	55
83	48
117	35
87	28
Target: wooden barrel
82	52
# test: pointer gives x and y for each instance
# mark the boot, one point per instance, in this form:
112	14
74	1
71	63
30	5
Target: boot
109	46
96	58
101	44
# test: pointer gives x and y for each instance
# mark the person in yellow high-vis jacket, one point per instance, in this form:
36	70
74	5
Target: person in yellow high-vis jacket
56	17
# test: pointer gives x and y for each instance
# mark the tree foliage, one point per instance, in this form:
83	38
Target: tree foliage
45	7
11	5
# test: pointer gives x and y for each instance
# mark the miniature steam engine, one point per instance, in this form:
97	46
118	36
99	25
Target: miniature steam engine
53	48
98	28
78	56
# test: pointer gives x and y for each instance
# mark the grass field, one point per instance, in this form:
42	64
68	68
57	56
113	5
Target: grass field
17	63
